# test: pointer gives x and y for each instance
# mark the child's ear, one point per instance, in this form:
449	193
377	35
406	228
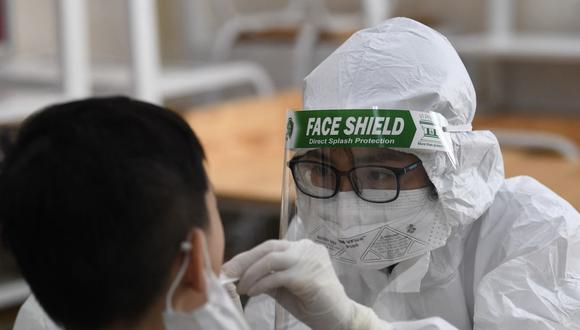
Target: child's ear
194	276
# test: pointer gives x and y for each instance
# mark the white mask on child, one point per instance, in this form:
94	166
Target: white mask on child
218	313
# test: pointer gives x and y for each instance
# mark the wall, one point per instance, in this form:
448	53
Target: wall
108	25
34	28
34	31
549	16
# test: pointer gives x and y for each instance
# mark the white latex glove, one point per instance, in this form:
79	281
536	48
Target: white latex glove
299	275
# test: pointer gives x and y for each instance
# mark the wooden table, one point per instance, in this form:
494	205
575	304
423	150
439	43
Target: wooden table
244	142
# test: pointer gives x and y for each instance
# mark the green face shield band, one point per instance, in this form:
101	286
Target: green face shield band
370	128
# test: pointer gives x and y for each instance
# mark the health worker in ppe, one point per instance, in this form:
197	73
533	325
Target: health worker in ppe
106	206
418	221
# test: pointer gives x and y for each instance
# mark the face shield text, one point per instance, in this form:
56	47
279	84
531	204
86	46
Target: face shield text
362	125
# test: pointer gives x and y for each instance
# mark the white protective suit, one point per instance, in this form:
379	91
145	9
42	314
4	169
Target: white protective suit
512	260
31	316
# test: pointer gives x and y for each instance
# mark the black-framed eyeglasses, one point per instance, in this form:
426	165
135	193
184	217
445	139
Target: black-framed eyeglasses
372	183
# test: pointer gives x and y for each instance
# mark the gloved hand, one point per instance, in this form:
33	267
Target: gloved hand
299	275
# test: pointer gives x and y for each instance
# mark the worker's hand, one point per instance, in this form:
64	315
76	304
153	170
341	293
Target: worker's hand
299	275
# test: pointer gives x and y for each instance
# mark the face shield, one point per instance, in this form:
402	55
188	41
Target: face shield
352	184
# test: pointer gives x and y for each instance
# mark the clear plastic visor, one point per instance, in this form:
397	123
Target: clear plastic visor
352	184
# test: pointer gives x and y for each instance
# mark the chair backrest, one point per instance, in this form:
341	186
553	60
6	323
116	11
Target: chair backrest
226	9
538	140
223	9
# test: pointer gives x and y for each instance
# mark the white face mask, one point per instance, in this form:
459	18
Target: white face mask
218	313
374	235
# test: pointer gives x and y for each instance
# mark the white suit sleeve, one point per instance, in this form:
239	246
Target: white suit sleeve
367	319
260	315
530	261
535	291
301	277
432	323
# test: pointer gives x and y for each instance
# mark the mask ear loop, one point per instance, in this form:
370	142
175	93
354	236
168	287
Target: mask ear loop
185	247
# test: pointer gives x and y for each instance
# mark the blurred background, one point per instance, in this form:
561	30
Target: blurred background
236	65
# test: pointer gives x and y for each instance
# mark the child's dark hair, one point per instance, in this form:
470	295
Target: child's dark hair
95	197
